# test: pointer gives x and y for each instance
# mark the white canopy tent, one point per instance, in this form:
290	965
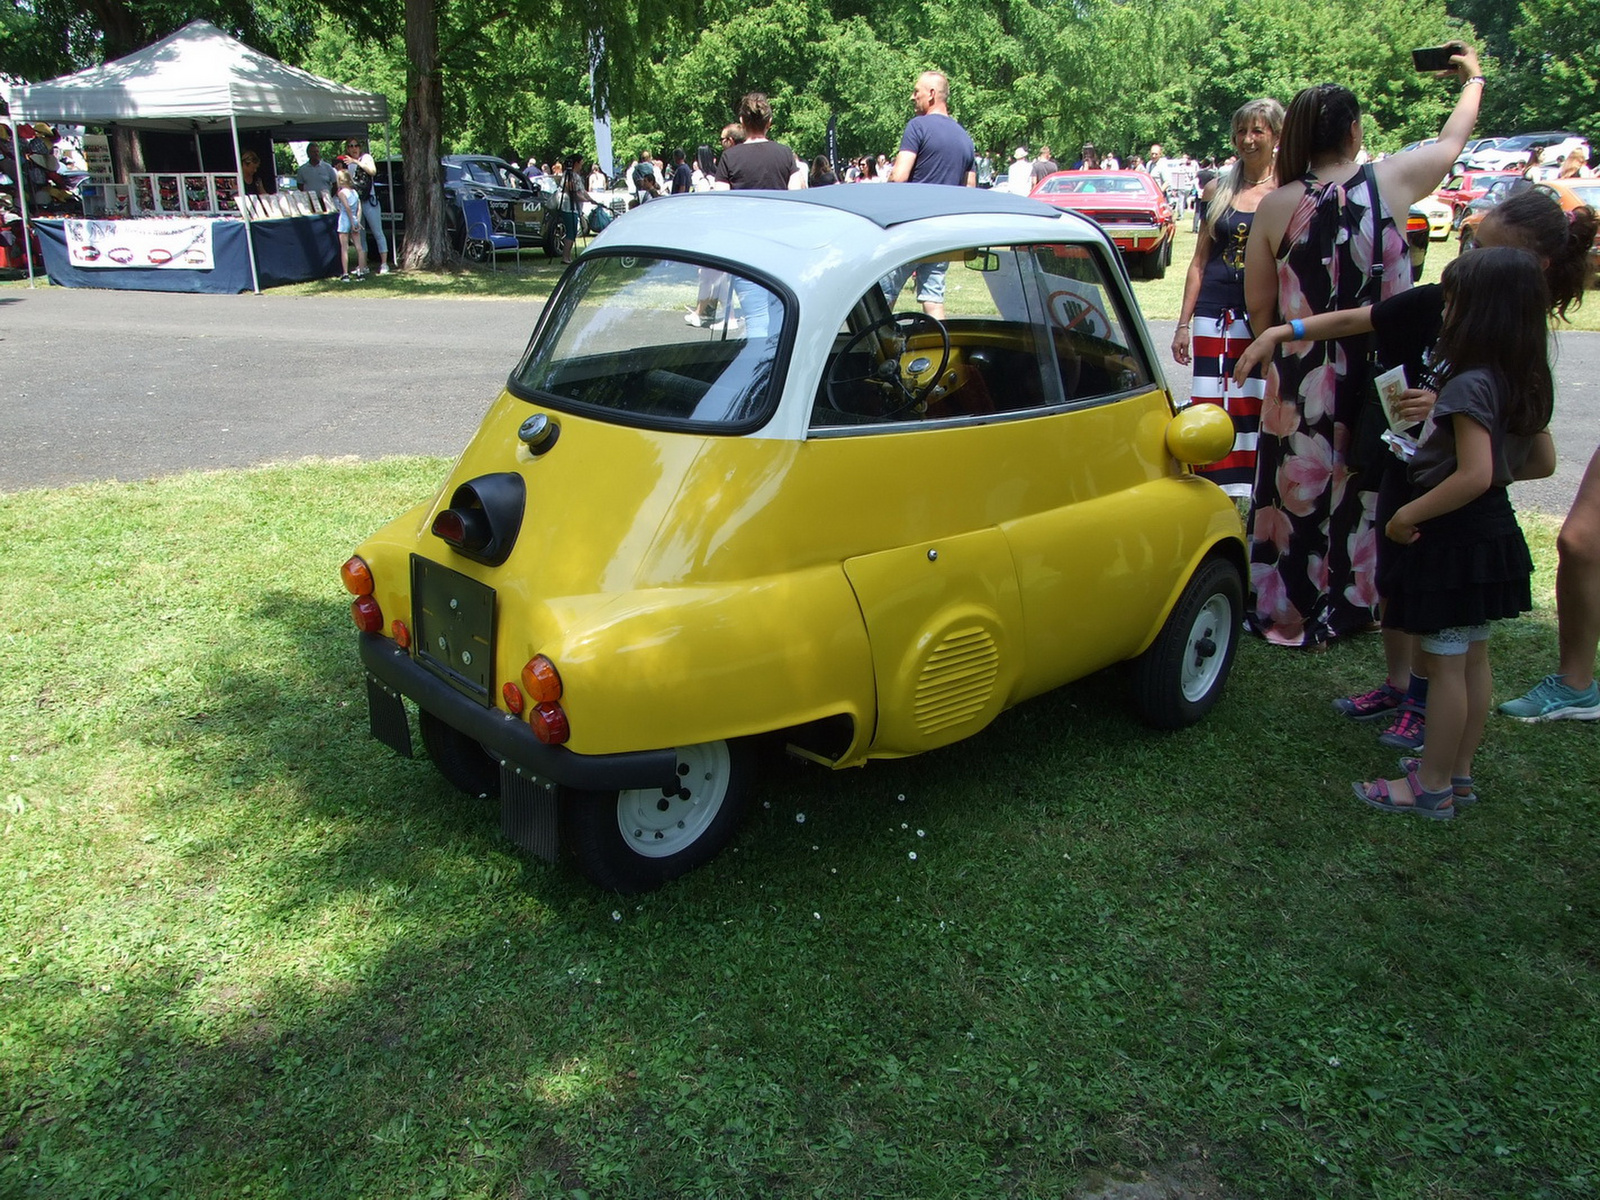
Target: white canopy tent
197	79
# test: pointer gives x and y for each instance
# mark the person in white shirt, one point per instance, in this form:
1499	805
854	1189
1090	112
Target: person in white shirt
1019	176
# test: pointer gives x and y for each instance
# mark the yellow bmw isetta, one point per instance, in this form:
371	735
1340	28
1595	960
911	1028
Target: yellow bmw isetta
744	484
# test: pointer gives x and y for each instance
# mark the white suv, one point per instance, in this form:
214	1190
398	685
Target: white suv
1514	151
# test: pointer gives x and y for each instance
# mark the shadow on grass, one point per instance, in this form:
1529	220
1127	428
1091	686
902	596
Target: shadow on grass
1066	941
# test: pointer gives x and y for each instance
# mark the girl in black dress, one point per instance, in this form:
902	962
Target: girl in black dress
1464	562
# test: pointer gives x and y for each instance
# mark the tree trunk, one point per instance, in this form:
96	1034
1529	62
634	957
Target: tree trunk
425	246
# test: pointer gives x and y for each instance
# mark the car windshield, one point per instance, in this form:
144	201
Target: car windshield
1112	184
494	175
657	342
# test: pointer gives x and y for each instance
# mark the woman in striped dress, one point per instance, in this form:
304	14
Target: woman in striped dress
1213	329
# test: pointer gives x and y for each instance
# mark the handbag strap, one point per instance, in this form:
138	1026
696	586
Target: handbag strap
1375	203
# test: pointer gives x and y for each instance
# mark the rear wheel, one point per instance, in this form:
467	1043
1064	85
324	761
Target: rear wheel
1153	265
1181	676
636	840
464	763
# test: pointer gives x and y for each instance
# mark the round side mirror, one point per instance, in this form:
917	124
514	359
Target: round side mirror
1201	434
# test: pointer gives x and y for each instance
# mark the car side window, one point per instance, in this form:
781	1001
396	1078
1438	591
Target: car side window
1024	329
1095	351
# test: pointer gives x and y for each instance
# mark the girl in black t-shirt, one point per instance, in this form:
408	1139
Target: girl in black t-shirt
1463	561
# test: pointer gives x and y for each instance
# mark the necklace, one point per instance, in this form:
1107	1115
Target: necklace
1257	182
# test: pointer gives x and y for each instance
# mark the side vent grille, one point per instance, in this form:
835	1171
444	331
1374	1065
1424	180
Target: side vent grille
957	680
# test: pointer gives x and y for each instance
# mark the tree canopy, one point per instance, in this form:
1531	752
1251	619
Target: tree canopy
510	76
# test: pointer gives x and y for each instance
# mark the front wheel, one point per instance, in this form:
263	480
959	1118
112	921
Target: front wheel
635	841
1181	676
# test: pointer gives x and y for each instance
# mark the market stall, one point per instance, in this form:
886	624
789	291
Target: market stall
197	81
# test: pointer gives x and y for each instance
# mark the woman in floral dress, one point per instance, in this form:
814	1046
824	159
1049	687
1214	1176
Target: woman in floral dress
1313	545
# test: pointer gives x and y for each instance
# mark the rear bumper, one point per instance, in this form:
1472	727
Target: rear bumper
1136	238
501	733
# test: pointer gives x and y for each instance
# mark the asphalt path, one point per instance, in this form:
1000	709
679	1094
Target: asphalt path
133	385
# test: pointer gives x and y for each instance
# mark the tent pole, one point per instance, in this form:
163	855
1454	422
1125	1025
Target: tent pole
199	155
244	205
22	199
389	213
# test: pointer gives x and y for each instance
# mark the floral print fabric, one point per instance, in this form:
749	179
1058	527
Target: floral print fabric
1313	544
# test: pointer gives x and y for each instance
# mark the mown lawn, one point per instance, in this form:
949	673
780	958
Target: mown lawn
245	951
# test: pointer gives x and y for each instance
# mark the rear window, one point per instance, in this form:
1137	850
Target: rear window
658	342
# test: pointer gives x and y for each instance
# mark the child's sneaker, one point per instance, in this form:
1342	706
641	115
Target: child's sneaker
1552	700
1369	706
1407	731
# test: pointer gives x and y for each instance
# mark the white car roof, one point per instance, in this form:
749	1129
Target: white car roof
838	239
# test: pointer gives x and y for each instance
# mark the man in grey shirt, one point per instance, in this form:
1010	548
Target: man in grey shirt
315	175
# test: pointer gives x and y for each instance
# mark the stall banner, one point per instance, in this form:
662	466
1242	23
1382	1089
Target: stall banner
184	245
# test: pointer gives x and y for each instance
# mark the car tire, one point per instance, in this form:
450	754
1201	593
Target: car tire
635	841
547	236
1181	676
464	763
1153	264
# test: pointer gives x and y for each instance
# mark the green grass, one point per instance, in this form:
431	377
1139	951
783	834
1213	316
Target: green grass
246	951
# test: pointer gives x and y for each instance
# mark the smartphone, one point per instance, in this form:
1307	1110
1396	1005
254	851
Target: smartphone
1435	58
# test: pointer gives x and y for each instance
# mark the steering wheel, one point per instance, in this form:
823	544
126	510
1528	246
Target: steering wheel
904	385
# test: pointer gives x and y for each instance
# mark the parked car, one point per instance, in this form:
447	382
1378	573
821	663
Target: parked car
1463	187
1440	216
815	518
1417	237
516	203
1569	193
1474	146
1513	152
1499	188
1129	204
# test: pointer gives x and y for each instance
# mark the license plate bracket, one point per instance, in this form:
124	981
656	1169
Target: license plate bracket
454	618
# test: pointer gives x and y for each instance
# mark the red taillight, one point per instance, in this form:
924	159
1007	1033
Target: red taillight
356	576
550	724
541	680
513	698
449	526
401	633
364	611
464	528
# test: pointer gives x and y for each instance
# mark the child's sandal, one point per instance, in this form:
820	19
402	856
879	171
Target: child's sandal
1436	806
1460	785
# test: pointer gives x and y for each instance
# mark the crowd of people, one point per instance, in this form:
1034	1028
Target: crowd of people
1360	516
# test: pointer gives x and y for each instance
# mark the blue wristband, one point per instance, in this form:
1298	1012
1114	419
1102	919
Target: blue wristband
1298	328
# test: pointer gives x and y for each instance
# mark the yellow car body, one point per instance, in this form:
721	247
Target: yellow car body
863	567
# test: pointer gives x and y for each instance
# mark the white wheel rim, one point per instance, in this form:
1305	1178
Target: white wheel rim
1206	648
657	826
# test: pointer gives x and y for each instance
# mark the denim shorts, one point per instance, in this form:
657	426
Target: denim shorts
930	282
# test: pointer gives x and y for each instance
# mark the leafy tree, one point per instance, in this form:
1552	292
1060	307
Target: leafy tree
1554	72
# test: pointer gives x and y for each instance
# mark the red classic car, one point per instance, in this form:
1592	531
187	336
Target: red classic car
1127	204
1463	187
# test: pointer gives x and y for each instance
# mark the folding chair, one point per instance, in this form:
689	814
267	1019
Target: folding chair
483	242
